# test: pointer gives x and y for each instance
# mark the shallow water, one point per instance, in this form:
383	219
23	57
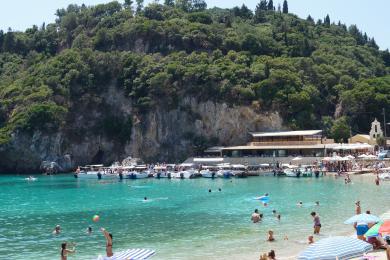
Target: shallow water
180	220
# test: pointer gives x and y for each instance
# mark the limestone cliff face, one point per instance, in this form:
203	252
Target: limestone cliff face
160	135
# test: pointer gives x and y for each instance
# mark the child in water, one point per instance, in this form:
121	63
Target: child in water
270	236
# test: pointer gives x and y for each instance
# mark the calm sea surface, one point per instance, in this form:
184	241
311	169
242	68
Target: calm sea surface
180	220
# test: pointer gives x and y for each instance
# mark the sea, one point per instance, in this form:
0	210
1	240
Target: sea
180	219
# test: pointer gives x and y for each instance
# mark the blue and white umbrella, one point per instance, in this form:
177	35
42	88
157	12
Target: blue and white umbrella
131	254
332	248
363	218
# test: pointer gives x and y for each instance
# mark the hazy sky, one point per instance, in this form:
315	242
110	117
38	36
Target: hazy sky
370	16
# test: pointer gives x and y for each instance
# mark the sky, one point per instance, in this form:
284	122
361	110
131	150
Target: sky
370	16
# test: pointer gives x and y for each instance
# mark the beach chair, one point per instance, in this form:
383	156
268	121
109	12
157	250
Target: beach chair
130	254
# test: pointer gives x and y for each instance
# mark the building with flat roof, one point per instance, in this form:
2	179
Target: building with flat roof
306	143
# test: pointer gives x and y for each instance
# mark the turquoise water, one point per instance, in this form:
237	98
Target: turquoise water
181	219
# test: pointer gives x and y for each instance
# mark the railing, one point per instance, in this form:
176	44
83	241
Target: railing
284	143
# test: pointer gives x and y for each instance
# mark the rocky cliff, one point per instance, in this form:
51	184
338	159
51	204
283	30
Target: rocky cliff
168	135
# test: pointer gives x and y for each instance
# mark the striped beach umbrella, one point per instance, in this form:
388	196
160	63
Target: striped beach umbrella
333	248
131	254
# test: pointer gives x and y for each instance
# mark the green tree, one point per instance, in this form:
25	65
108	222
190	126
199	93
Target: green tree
327	20
185	5
285	7
341	130
169	2
270	6
199	5
140	5
128	4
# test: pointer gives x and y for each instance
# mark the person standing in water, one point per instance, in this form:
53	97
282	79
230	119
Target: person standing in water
317	223
108	237
65	251
256	216
377	180
358	208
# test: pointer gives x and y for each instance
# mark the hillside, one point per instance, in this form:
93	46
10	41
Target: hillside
165	81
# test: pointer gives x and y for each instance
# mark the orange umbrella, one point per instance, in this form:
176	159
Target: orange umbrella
385	228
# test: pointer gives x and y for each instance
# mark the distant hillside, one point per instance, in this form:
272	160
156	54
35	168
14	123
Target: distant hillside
115	79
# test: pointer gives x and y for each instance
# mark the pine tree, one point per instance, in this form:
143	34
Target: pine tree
263	5
140	5
327	20
270	5
279	8
285	7
260	12
199	5
169	3
310	19
128	4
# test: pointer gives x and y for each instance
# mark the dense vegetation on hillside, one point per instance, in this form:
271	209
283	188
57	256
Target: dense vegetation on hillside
317	74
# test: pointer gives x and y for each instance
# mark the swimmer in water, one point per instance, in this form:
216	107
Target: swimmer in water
300	204
89	230
317	203
274	212
265	204
57	230
209	190
278	217
65	251
219	189
145	198
270	236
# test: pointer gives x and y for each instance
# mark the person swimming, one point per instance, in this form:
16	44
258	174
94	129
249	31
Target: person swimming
65	251
310	240
278	217
89	230
317	203
219	189
57	230
274	212
108	237
209	190
270	236
300	204
145	198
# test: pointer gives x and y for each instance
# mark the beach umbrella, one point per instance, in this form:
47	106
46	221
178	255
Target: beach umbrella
385	228
336	248
362	156
365	218
326	159
351	157
374	230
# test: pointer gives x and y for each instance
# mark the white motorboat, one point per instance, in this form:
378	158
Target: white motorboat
188	174
96	172
208	173
138	172
224	171
239	170
162	172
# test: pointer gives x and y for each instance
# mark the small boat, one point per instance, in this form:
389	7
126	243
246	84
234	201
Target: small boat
239	170
208	174
188	174
96	172
138	172
161	172
31	178
225	171
185	171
